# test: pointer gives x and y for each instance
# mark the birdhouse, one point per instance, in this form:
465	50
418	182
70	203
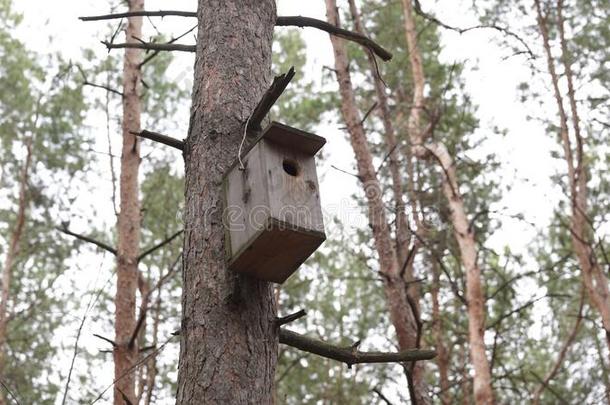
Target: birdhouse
272	215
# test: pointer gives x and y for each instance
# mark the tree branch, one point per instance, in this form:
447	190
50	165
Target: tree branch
349	355
159	245
151	46
269	98
299	21
460	31
88	239
160	13
164	139
285	21
290	318
105	339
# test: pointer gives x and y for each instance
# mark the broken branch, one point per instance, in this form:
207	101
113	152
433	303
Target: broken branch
160	13
151	46
269	98
164	139
290	318
349	355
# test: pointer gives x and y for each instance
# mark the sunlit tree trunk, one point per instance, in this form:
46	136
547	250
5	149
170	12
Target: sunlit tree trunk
229	344
126	354
463	232
401	312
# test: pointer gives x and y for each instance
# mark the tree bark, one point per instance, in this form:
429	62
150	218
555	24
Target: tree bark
401	314
593	276
11	255
228	348
403	237
126	355
464	235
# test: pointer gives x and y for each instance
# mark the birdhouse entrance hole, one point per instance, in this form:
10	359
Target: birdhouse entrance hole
272	212
291	167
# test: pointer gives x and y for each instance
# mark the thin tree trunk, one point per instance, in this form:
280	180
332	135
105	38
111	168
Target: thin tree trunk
228	348
11	256
403	237
562	354
442	357
594	278
126	355
483	393
401	314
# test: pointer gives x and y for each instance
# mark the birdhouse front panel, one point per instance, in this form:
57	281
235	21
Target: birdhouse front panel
273	215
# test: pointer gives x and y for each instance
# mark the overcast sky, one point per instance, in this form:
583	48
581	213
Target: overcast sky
491	79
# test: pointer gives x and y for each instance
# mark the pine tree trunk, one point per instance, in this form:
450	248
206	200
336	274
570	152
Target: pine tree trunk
401	313
464	234
228	348
594	277
126	355
11	255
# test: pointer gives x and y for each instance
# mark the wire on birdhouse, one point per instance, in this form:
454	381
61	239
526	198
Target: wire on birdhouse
241	144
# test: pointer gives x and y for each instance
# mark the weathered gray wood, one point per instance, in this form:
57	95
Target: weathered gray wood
276	251
272	206
293	138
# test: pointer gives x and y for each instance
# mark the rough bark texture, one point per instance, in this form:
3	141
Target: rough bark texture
229	344
593	275
11	255
464	235
401	314
125	356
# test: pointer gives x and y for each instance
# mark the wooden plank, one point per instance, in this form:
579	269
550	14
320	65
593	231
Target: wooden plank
276	252
294	194
293	138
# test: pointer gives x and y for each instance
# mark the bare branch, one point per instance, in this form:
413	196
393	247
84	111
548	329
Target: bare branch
290	318
171	41
269	98
105	339
99	86
164	139
562	353
88	239
381	396
349	355
151	46
160	13
460	31
299	21
136	330
160	245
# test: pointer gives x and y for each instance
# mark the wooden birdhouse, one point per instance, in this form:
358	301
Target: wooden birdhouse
272	215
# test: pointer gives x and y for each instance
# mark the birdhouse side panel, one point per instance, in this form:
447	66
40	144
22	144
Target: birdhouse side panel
294	197
247	205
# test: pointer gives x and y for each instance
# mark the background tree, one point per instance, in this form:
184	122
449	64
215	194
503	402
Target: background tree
41	115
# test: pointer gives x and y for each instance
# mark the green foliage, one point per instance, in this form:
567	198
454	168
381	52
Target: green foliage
46	106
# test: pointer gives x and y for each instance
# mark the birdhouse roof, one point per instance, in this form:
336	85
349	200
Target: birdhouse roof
293	138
